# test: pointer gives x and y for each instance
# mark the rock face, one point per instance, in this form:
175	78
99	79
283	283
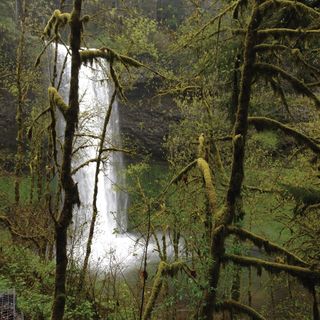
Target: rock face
145	120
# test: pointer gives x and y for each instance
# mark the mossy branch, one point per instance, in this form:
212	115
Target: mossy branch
239	308
305	275
296	53
108	54
86	163
30	129
201	146
299	86
56	21
88	56
56	99
299	57
37	62
209	185
164	269
105	150
269	247
214	19
178	177
118	150
288	32
50	24
275	4
267	123
270	47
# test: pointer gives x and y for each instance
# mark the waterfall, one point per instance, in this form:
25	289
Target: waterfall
110	242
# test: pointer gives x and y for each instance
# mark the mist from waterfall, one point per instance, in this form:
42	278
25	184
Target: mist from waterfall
111	243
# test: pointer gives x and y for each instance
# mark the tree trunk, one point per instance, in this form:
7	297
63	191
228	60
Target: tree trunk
67	183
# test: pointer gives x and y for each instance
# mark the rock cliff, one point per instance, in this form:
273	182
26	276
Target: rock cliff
145	119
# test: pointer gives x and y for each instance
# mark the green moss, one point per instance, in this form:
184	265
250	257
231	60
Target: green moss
56	21
164	269
56	100
209	185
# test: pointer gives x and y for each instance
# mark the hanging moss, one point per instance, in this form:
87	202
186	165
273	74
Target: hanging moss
269	247
305	275
56	99
116	81
108	54
201	147
209	185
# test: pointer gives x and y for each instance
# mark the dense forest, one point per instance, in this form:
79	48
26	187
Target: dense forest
159	159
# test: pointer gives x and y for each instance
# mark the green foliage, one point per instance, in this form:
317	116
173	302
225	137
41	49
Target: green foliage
32	279
7	17
7	189
137	38
75	309
197	61
267	140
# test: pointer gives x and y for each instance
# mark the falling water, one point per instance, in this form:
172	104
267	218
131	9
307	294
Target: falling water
110	242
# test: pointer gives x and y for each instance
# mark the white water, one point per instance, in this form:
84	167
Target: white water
111	244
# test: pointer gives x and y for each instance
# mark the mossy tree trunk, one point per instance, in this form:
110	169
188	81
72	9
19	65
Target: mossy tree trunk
70	188
227	214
